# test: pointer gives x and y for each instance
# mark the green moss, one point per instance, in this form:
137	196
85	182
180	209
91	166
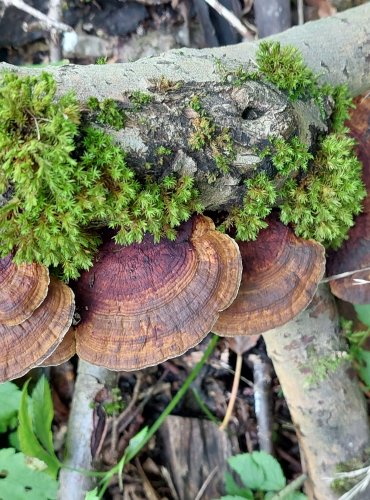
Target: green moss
140	99
163	151
63	181
107	112
347	482
207	135
288	156
101	60
323	204
257	205
322	366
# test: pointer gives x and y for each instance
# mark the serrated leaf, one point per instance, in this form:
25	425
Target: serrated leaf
43	413
22	482
363	313
10	398
233	489
28	441
258	471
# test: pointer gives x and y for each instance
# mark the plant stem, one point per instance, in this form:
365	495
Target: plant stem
153	429
234	391
289	488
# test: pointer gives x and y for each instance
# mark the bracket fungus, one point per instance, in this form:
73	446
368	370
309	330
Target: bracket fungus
27	344
354	254
281	273
65	350
144	303
22	289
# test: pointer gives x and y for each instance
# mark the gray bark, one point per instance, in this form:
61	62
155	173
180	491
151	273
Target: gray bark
324	399
90	380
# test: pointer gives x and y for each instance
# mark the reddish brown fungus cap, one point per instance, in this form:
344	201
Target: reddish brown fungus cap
354	254
65	350
22	289
144	303
280	276
26	345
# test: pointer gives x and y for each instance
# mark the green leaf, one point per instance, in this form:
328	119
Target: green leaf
92	495
363	313
18	481
136	440
258	471
29	443
10	398
234	497
43	413
232	488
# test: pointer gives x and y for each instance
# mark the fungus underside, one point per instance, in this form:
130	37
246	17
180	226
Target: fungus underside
63	179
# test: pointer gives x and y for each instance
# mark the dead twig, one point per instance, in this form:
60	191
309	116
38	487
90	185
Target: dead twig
234	391
230	17
262	402
48	23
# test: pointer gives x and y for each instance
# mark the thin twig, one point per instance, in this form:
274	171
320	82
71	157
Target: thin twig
46	21
230	17
55	13
343	275
206	483
300	11
234	391
289	488
262	402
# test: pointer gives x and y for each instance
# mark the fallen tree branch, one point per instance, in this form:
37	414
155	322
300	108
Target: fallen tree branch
324	399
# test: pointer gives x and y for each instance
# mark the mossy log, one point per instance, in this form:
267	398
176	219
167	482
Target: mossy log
252	113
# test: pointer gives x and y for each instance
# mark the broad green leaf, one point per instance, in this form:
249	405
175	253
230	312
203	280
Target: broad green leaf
28	441
10	398
232	488
293	495
43	413
363	313
92	495
259	471
233	497
20	482
251	474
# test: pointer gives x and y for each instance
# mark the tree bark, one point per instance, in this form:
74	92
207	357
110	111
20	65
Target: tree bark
81	429
324	399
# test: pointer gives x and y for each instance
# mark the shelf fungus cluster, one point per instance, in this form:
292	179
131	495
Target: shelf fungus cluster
148	302
281	273
35	314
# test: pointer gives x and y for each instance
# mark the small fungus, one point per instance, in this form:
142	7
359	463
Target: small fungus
144	303
281	273
65	350
22	289
26	345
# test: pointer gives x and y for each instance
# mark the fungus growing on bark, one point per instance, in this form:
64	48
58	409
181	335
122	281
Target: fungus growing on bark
26	345
281	273
354	254
144	303
22	289
65	350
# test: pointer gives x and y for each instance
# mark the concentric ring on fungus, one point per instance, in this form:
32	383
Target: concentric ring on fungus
22	289
281	273
25	346
144	303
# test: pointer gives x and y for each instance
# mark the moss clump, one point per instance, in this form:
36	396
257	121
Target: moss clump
140	99
206	134
62	181
257	205
288	156
323	204
107	112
